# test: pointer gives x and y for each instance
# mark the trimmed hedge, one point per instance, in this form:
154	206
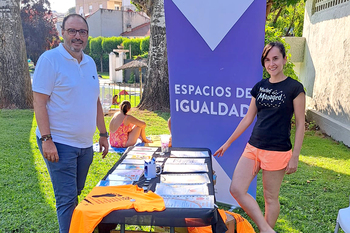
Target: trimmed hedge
134	45
103	46
110	43
145	45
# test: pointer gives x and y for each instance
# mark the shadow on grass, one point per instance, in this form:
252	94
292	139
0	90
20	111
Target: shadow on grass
23	204
164	115
318	145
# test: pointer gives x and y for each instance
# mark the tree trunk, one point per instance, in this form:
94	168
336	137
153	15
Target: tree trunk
101	62
15	84
277	15
268	7
156	93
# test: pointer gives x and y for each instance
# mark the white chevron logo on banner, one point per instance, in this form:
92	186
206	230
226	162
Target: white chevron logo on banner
213	19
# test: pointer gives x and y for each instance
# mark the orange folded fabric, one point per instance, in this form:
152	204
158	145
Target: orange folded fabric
103	200
242	225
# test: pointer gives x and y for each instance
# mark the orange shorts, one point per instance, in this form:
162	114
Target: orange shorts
269	160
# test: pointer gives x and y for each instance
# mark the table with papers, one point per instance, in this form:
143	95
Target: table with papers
185	184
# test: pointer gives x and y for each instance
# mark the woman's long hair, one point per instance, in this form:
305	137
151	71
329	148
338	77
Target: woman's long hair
125	106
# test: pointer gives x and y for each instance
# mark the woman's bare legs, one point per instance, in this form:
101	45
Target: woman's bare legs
241	180
169	126
272	181
134	134
143	136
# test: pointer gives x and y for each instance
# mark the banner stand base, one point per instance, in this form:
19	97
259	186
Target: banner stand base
230	206
233	207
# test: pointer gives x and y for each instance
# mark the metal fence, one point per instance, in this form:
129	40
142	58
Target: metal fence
112	94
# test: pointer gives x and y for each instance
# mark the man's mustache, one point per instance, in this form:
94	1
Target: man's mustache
77	40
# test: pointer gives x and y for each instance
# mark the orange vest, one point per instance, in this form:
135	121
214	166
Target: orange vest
103	200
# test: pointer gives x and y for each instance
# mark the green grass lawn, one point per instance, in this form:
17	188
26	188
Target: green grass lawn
310	198
105	75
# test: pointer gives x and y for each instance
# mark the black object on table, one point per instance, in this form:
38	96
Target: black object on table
170	217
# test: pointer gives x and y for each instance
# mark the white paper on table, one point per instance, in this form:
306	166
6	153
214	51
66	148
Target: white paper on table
120	178
133	161
132	175
200	178
160	159
174	189
130	166
113	182
187	154
144	148
140	156
184	161
183	201
181	168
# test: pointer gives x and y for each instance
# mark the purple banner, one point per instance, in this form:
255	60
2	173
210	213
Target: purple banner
214	50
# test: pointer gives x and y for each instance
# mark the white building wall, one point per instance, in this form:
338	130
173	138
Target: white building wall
133	19
106	23
325	71
111	23
297	47
94	22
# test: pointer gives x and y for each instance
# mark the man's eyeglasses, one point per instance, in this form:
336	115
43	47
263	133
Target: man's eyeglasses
73	32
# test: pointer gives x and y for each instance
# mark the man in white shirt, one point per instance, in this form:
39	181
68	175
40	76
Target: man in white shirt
68	109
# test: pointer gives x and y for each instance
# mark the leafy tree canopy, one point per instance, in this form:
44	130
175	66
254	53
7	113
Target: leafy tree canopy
40	33
286	16
271	35
71	10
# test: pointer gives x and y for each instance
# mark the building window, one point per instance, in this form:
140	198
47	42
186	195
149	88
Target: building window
101	6
90	8
128	27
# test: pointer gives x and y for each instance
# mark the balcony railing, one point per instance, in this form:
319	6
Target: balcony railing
320	5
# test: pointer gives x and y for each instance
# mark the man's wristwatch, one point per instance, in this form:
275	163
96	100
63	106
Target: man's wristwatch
46	137
104	135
